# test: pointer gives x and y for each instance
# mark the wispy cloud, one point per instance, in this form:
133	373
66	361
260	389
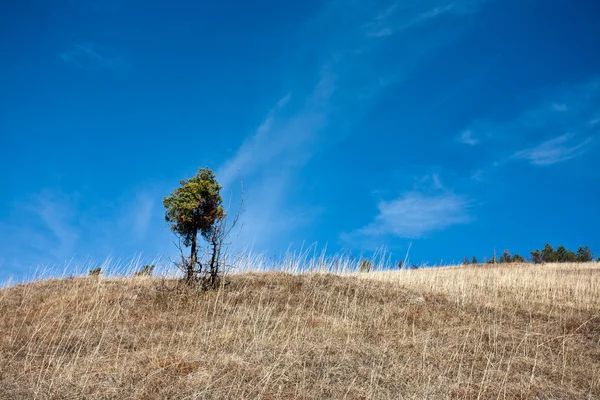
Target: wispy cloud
347	79
93	56
58	224
556	150
380	25
401	15
478	175
53	226
559	107
141	212
262	141
558	128
437	11
414	215
41	229
466	137
267	163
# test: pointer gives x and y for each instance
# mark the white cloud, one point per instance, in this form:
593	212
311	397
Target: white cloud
467	137
141	212
559	107
40	230
414	215
267	141
346	81
435	12
402	15
556	129
437	183
378	27
93	56
55	212
51	227
478	175
556	150
267	163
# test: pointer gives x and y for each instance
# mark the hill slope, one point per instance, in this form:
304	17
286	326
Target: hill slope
455	333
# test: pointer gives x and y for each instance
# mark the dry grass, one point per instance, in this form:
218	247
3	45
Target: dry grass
529	332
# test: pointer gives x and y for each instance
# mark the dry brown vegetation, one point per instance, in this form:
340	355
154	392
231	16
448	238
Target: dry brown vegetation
528	332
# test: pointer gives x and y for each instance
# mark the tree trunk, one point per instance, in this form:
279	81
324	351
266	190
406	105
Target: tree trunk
214	270
192	264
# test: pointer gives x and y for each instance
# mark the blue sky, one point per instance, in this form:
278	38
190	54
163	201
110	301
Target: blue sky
460	126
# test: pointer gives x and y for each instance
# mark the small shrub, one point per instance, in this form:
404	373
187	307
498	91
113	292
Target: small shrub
365	265
95	272
474	260
146	271
466	261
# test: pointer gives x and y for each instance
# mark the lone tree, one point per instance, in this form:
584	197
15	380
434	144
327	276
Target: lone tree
196	207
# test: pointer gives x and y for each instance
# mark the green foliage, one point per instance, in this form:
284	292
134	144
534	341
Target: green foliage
536	257
145	271
571	257
561	255
195	207
584	254
466	261
95	272
474	260
546	255
564	255
505	258
518	259
365	265
400	264
549	254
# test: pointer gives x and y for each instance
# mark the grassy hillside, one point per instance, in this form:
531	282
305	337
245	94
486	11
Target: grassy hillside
529	332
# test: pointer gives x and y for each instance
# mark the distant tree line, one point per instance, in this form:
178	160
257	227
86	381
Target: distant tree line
561	255
546	255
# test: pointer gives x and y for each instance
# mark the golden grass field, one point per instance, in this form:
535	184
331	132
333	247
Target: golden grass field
499	332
